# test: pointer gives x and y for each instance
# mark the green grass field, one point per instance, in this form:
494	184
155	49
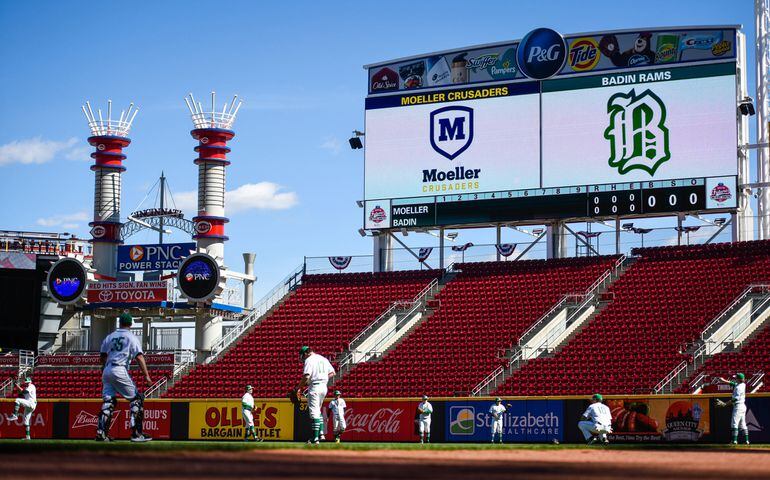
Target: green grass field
7	445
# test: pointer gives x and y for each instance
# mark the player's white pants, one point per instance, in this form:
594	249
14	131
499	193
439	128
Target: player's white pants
248	418
590	429
497	426
424	425
29	407
117	380
739	417
339	423
315	398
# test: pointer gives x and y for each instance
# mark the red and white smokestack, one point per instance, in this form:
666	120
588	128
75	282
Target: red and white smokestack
109	136
212	130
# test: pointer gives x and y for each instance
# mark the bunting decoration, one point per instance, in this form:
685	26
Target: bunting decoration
506	249
462	248
340	263
424	253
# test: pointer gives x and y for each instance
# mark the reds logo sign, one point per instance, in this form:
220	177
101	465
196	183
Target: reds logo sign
451	130
98	231
203	227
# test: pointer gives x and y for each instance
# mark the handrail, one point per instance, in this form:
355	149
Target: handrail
267	302
747	291
155	387
756	381
668	378
496	373
393	306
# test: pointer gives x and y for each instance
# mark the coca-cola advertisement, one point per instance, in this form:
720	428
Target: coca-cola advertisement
84	416
378	421
40	422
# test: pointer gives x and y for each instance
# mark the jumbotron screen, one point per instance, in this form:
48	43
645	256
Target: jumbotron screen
20	290
598	125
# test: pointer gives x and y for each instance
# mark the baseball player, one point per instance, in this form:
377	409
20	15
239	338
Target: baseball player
337	408
738	402
118	350
497	410
316	374
247	407
596	421
425	410
26	403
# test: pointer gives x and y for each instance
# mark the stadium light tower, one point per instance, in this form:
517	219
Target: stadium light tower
109	136
212	129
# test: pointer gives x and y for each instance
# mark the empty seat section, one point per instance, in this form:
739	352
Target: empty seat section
482	311
662	303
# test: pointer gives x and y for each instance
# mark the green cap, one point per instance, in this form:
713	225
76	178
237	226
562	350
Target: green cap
249	387
125	319
498	399
424	397
28	379
740	376
598	397
337	392
304	350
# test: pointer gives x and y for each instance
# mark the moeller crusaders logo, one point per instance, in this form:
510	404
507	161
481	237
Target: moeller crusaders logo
136	253
377	215
583	54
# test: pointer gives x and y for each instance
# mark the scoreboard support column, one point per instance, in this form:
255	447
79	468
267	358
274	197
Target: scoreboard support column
556	240
441	248
383	256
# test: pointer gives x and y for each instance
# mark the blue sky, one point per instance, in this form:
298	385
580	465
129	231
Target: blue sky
298	67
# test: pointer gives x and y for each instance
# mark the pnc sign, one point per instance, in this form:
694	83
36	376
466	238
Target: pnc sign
153	257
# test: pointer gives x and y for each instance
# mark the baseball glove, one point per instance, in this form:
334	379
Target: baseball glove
295	396
720	403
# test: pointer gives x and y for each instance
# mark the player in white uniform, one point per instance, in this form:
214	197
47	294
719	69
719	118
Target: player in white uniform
596	421
425	409
739	406
247	408
26	403
316	374
337	407
497	410
118	349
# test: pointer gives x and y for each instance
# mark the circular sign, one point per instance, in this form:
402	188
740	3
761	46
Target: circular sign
66	280
541	53
203	227
198	277
136	253
98	231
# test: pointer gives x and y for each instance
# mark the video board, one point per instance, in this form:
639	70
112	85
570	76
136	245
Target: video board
616	133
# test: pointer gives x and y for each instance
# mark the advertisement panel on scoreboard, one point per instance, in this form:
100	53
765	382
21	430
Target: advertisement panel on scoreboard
425	145
640	126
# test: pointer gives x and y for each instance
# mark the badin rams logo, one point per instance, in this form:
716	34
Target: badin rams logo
377	215
451	130
721	193
462	420
136	253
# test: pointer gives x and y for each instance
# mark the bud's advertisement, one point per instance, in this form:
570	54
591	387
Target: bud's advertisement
523	421
376	421
40	421
223	420
654	419
85	415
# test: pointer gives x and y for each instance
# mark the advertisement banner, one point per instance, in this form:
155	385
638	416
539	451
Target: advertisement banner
41	421
167	256
127	292
659	419
640	126
487	142
223	420
377	421
84	415
9	360
54	360
524	421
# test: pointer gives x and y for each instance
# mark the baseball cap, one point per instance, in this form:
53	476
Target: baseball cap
249	387
498	399
598	397
740	376
125	318
337	392
424	397
304	350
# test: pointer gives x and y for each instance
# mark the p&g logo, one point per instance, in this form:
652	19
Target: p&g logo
541	53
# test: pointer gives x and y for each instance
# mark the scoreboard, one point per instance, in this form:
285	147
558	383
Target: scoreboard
578	202
629	133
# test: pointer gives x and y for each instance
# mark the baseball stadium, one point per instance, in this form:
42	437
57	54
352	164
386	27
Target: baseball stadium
565	227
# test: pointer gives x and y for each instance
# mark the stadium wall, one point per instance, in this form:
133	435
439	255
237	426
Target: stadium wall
636	419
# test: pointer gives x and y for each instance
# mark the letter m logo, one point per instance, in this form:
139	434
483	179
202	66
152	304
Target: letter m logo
451	130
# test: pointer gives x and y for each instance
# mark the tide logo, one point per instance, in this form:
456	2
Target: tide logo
136	253
583	54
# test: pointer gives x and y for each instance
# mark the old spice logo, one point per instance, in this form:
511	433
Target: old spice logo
383	420
85	420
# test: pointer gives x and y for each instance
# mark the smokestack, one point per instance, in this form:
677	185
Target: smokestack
248	285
